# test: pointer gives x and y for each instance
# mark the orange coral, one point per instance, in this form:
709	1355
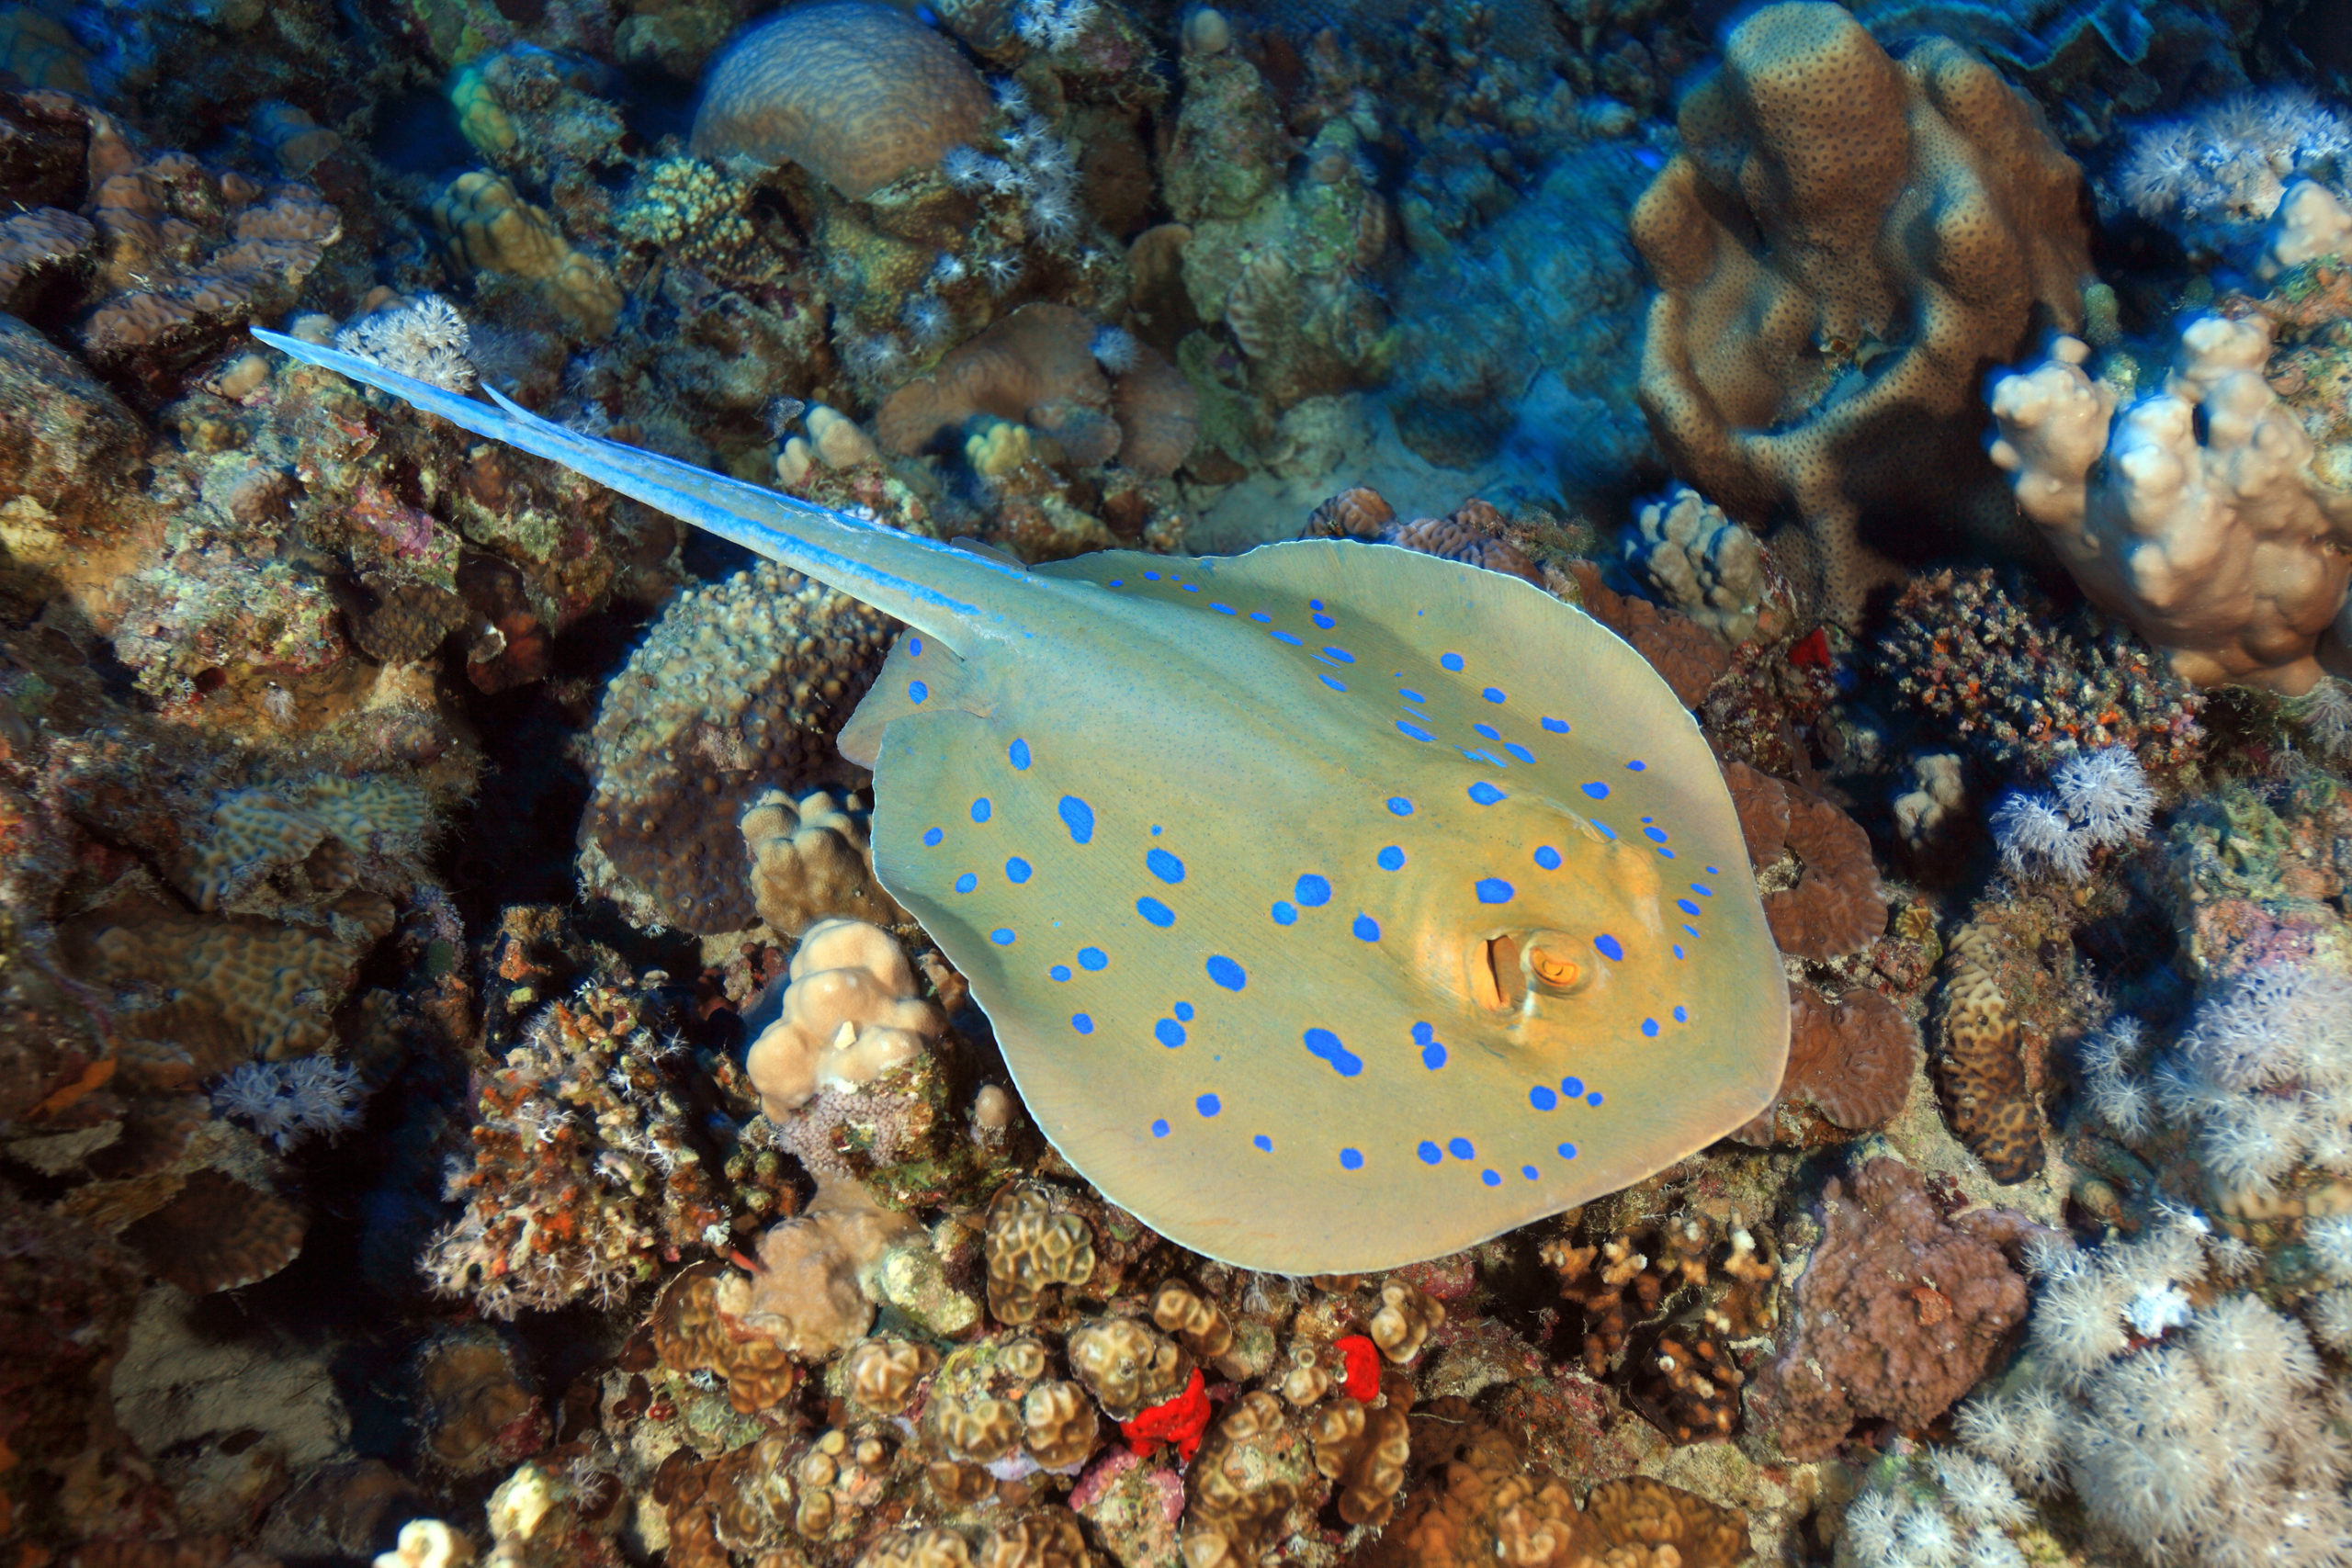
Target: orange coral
1835	906
1852	1058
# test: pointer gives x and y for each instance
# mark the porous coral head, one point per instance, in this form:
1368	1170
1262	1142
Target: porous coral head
809	1295
857	94
1916	220
851	1013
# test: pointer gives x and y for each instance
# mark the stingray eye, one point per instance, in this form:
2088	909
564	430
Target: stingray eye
1549	967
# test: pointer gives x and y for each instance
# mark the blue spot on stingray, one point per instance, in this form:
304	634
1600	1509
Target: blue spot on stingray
1687	907
1341	654
1649	1027
1016	870
1227	973
1488	730
1208	1105
966	882
1323	1043
1598	790
1183	1011
1547	857
1493	890
1415	731
1169	1032
1432	1050
1351	1159
1160	1128
980	809
1323	622
1059	972
1078	818
1490	1177
1312	891
1221	609
1431	1153
1315	603
1654	835
1263	1142
1516	749
1411	695
1400	806
1091	958
1572	1088
1285	637
1528	1171
1451	660
914	648
1635	766
1391	859
1118	583
1018	752
1330	682
1542	1098
1668	853
1678	950
1190	588
917	692
1681	1015
1557	726
1158	913
1702	892
1366	929
1082	1023
1163	866
1285	915
1593	1099
1485	793
1001	936
1610	948
1493	694
1567	1151
1261	617
1460	1148
931	836
1604	829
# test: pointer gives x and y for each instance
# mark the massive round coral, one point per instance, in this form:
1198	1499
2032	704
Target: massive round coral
856	94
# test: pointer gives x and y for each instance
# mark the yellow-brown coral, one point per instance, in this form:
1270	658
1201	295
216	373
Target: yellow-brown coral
810	860
1981	1070
490	228
851	1014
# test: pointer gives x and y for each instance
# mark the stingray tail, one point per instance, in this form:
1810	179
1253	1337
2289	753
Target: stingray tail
956	596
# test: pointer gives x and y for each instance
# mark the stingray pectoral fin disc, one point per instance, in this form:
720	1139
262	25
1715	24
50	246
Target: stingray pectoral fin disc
1337	906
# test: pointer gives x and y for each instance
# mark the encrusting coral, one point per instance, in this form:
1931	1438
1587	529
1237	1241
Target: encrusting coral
1898	1314
1843	241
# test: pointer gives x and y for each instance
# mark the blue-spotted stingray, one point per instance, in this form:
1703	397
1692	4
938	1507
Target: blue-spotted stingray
1335	905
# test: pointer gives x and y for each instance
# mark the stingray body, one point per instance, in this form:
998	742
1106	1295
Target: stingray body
1335	905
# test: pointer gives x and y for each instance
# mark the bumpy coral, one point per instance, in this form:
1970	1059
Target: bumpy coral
851	1014
490	228
1834	904
1914	220
809	1295
1031	1249
1038	367
1980	1069
2194	516
811	861
740	687
1897	1314
1700	562
1687	656
1475	534
857	94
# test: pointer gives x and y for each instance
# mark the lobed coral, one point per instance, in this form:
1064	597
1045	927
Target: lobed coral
2193	515
1980	1069
1888	250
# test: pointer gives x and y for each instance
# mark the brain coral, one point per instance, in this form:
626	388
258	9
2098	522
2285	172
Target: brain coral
740	686
856	94
1843	242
